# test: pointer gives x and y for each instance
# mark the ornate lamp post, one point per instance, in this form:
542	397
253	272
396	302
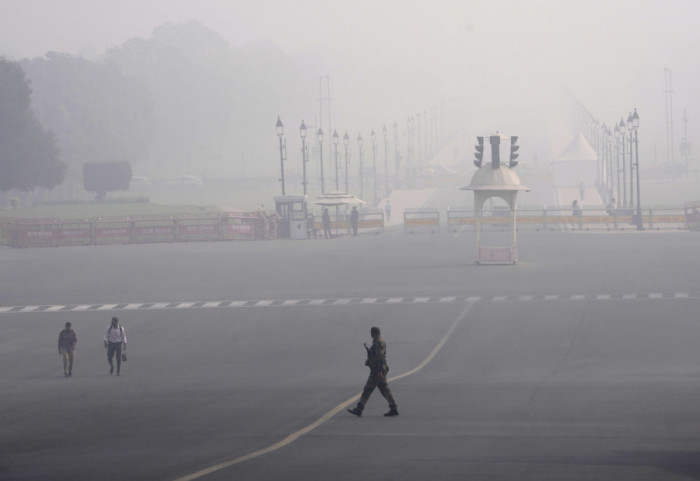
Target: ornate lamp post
362	184
631	150
373	136
280	134
633	126
623	157
346	143
319	138
335	145
386	164
396	153
302	132
616	134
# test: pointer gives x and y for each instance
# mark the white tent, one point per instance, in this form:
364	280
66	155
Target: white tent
577	165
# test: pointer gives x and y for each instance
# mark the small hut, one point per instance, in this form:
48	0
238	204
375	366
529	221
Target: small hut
499	181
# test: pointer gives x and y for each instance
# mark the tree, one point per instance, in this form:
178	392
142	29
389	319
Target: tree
96	111
103	177
29	156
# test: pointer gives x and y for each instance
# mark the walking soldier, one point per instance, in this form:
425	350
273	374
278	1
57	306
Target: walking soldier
378	369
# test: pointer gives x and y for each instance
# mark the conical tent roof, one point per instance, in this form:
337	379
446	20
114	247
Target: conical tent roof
578	149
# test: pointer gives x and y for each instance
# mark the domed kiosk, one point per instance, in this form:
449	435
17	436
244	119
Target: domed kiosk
496	180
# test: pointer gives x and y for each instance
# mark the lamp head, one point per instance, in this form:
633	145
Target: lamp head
280	127
635	119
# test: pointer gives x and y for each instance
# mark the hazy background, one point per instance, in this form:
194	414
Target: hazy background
507	63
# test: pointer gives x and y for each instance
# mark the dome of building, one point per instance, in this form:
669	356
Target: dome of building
488	178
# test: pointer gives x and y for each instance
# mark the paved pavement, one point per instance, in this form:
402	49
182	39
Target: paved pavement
579	363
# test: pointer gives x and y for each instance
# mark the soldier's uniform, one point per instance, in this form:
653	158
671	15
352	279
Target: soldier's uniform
378	369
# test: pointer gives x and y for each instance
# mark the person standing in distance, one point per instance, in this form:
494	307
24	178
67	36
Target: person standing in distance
67	339
326	221
378	369
115	341
354	219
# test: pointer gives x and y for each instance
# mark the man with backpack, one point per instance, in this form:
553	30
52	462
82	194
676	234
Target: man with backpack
115	342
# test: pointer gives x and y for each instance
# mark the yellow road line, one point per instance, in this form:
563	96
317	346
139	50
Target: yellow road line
340	407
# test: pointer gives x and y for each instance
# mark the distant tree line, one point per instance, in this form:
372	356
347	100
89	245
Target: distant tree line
182	101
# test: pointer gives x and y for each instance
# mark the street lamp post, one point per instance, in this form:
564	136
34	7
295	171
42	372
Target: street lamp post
386	164
634	119
623	157
319	138
346	143
631	139
374	166
362	176
616	134
280	134
335	145
611	171
302	132
396	154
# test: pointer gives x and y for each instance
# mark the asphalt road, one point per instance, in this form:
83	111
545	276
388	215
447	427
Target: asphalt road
578	363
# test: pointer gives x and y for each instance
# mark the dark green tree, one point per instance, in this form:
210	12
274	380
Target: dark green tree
29	156
103	177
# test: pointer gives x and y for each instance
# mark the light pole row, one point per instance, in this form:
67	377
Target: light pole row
434	131
624	154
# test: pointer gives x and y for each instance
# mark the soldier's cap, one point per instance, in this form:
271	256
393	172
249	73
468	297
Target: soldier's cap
375	330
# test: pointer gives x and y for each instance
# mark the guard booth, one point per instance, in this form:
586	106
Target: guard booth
504	183
292	211
496	180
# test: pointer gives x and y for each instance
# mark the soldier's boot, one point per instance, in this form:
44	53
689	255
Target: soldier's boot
392	411
357	410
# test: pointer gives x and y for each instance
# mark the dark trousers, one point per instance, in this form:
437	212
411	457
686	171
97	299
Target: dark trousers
377	379
112	349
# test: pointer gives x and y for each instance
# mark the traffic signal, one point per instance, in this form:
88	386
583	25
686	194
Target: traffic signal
495	151
514	147
479	154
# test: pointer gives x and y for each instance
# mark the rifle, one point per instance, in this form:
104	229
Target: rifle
368	354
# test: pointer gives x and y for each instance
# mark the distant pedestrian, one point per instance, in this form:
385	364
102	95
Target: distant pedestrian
326	220
354	220
378	369
387	210
67	340
115	342
575	212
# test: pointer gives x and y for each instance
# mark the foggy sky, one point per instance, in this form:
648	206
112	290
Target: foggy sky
508	57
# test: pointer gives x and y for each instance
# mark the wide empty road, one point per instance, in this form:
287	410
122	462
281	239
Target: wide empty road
579	363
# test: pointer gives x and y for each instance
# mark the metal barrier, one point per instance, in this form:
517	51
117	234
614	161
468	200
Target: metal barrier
692	215
54	233
371	221
421	220
659	218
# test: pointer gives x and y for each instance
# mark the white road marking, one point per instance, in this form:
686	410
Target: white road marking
340	301
323	419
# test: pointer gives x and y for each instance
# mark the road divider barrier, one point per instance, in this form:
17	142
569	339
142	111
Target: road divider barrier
551	219
424	220
57	232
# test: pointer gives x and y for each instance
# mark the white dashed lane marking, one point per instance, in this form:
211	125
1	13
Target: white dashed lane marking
344	301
